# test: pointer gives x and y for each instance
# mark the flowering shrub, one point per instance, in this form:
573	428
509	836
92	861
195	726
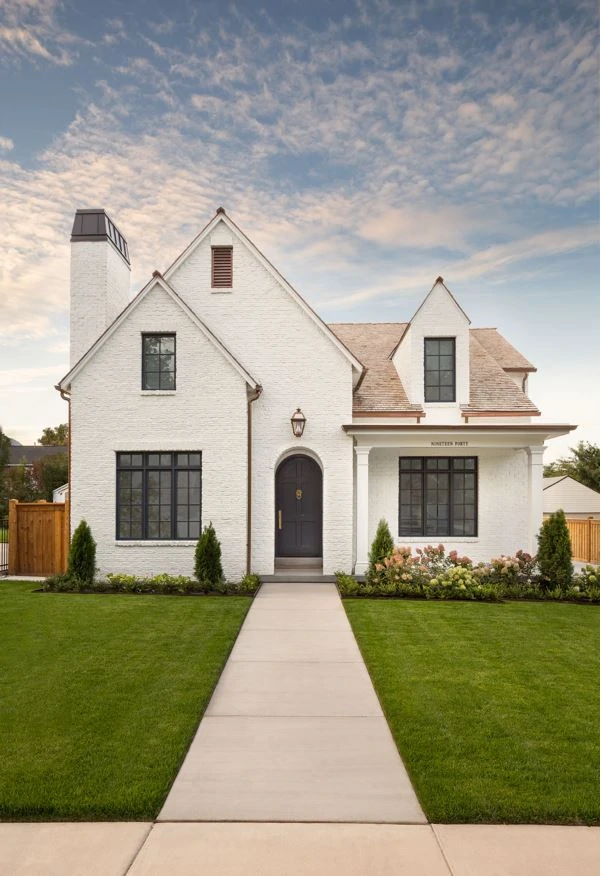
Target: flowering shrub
460	582
431	573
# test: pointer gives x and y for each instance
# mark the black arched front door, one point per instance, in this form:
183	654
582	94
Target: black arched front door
298	508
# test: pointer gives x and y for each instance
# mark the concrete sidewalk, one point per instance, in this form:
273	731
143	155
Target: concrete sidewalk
294	731
143	849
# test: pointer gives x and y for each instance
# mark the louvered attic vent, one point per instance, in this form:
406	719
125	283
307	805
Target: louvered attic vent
221	268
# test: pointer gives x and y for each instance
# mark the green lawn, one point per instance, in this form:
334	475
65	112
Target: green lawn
494	708
100	697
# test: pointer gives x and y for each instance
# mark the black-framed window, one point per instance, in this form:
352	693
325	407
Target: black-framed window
159	495
158	361
439	369
438	496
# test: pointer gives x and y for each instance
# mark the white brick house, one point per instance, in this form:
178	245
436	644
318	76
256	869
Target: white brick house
181	403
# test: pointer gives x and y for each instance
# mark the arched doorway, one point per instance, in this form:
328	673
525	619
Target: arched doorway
298	508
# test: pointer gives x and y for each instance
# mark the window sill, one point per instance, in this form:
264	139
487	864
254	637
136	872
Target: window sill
226	290
436	539
157	392
149	542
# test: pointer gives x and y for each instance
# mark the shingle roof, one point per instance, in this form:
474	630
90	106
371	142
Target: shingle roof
372	343
506	355
32	452
491	389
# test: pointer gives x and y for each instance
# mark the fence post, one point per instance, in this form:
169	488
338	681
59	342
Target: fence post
13	548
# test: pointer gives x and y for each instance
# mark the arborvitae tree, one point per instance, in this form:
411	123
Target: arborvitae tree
555	552
207	558
82	554
382	547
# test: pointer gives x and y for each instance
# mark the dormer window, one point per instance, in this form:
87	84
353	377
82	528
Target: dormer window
222	267
439	369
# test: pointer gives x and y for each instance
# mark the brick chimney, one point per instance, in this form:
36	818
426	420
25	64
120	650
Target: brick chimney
99	278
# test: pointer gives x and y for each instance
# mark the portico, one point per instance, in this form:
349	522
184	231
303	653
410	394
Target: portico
475	488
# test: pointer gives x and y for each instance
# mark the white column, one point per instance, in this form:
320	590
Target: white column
362	508
535	492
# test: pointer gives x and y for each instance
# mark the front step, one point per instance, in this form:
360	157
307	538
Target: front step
298	577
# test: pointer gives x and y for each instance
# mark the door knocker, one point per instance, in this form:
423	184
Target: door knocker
299	495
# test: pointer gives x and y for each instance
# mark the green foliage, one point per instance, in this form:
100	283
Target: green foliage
382	547
4	449
82	554
19	483
207	557
555	552
49	473
582	465
55	437
163	584
459	582
347	585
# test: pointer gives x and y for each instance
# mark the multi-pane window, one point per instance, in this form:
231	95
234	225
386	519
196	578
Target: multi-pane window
438	496
439	369
158	361
159	495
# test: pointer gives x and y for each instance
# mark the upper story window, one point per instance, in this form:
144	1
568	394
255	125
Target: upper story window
439	369
222	258
158	361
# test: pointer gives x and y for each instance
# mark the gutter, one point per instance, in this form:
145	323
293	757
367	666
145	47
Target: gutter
249	446
66	396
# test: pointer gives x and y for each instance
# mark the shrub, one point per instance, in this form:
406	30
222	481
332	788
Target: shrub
555	553
459	582
381	547
585	585
249	584
347	585
207	558
82	554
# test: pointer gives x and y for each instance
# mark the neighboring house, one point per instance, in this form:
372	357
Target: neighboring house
61	494
576	500
182	401
30	453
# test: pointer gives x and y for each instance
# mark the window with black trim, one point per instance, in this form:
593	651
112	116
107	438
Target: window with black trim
439	369
159	495
438	496
158	361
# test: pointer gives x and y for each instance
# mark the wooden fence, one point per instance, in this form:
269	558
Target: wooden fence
38	537
584	535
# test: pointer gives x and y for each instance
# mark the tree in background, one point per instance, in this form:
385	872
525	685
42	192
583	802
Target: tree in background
58	437
17	482
49	473
4	457
582	465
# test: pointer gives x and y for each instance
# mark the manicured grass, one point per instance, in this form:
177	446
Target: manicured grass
494	708
101	695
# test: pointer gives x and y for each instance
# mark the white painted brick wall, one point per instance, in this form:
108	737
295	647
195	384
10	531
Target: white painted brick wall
502	501
207	412
438	317
298	367
100	286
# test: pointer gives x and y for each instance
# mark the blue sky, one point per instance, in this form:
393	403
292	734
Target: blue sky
366	147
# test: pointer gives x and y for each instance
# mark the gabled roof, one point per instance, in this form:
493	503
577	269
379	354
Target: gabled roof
221	216
549	482
440	282
491	389
30	453
157	280
380	389
500	349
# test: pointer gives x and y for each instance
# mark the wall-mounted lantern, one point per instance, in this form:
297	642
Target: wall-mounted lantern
298	421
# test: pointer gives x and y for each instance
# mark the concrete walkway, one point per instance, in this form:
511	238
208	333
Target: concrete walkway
294	731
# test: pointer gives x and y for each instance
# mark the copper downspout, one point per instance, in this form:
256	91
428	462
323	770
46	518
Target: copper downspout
249	446
66	396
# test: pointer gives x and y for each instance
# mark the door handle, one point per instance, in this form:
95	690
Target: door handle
279	519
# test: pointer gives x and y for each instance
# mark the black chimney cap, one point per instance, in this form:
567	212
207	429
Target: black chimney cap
97	225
